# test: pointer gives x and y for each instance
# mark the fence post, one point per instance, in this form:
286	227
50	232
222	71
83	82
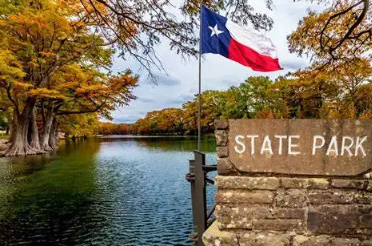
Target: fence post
190	177
200	212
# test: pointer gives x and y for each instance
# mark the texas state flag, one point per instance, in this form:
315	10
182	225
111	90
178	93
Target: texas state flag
245	46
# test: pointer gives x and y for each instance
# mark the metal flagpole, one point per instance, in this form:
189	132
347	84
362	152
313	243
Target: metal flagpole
199	95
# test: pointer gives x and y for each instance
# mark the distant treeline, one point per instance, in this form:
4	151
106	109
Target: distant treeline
259	97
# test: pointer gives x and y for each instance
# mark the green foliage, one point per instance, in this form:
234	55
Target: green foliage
3	123
303	95
79	125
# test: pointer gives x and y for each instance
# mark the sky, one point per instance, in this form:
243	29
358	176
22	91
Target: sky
180	82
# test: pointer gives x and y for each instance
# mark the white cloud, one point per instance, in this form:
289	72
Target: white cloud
218	73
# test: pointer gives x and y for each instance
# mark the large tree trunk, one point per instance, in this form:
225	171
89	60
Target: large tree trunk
46	131
10	122
34	142
19	144
53	138
12	126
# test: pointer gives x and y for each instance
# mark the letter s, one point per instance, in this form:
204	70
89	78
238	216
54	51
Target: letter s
239	151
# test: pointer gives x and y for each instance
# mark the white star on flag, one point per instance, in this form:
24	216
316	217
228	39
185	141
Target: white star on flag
215	30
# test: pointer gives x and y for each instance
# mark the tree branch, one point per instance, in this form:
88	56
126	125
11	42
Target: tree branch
98	107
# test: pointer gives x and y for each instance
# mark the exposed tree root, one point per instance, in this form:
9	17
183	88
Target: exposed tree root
47	148
16	150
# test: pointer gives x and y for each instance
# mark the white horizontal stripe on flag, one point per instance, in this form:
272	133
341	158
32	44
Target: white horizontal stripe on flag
251	38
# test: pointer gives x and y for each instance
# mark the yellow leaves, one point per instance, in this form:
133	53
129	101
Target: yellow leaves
10	67
366	115
22	85
47	54
52	45
320	35
90	90
46	93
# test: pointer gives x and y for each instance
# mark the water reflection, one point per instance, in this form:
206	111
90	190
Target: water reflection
121	191
167	143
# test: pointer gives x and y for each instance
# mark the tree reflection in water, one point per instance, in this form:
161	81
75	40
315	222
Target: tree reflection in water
120	191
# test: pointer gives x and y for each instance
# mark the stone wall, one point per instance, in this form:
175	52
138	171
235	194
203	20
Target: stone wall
278	210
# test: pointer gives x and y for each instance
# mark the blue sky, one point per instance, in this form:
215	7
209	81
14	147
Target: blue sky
218	73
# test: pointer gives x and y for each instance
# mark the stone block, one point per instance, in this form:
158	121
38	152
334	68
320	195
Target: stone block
345	242
222	152
340	219
367	243
214	236
303	183
305	162
221	137
278	225
249	183
291	199
368	175
301	240
244	197
221	124
278	213
262	239
349	184
224	166
234	217
330	197
365	217
369	186
363	198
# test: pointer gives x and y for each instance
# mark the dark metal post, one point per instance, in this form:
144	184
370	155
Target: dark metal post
190	177
200	196
197	177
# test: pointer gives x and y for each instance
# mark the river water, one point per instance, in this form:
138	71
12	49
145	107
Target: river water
119	190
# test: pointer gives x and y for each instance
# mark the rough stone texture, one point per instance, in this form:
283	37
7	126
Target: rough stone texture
301	240
278	202
250	183
365	216
222	152
346	242
297	205
339	219
221	137
215	237
330	197
367	243
221	124
291	199
369	186
244	216
368	175
224	166
303	183
244	197
269	239
278	225
238	217
305	162
349	184
363	197
278	213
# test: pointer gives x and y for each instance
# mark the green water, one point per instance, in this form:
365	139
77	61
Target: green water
107	191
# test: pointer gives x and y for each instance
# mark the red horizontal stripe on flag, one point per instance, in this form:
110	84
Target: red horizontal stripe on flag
251	58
